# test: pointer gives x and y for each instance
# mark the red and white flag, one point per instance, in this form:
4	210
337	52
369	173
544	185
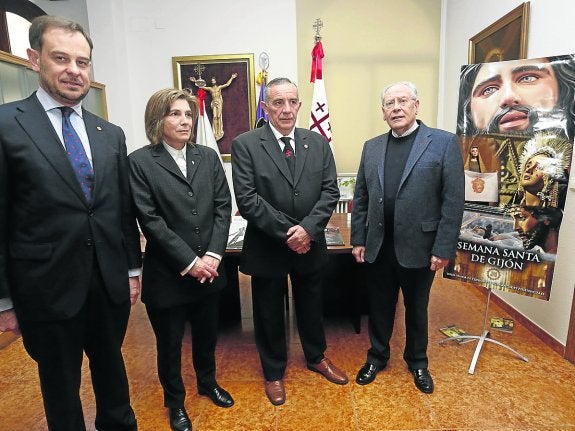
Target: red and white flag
205	134
319	117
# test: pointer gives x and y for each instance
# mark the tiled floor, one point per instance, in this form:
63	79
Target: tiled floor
505	393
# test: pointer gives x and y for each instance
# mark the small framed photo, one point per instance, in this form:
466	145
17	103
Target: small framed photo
229	83
346	184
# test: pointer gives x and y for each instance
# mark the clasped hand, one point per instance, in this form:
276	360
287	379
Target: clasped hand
298	239
205	268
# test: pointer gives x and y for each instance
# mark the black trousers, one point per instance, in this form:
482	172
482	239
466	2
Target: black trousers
169	325
269	320
385	277
58	346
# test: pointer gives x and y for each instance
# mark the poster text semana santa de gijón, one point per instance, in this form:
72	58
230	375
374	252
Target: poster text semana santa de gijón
516	123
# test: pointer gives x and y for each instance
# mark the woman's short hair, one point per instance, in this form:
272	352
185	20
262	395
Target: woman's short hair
158	107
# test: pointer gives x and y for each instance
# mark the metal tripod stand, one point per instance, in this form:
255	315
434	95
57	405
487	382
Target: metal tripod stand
482	338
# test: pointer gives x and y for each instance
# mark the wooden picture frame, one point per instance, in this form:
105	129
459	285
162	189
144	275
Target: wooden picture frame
238	98
505	39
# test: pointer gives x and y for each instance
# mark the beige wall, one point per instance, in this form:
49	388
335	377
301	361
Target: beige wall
368	44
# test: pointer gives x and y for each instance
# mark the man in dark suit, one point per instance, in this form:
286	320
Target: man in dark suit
68	241
407	211
285	186
184	208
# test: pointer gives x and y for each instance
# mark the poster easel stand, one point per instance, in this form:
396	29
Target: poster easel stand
482	338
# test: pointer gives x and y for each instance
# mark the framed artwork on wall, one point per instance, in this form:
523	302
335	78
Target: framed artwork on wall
505	39
346	184
229	83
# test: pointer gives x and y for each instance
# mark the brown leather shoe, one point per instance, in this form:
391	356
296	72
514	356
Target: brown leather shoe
276	392
329	371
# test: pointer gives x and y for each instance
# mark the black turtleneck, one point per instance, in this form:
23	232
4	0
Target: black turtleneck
396	155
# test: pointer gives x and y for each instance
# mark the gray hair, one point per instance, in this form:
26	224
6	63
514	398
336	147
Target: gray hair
273	83
408	84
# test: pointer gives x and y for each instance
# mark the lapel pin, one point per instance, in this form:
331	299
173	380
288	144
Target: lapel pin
99	128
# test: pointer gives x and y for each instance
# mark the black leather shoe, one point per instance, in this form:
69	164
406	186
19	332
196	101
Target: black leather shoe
367	373
423	380
179	420
218	395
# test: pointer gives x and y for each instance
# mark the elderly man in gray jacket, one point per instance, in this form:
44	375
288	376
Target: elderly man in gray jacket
407	212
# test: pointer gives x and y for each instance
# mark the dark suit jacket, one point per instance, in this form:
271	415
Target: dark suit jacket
49	234
429	202
272	201
181	218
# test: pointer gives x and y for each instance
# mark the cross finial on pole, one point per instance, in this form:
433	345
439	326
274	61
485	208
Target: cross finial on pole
199	68
317	26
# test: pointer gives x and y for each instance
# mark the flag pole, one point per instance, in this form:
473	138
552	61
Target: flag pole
262	80
319	116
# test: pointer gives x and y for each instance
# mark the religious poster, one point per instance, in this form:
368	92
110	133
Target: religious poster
516	123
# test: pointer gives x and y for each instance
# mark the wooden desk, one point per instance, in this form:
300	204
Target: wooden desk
337	220
340	221
344	286
343	280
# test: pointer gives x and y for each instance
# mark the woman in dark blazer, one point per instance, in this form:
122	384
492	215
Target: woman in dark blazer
183	204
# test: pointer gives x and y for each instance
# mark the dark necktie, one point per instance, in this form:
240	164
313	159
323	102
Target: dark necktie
288	153
77	154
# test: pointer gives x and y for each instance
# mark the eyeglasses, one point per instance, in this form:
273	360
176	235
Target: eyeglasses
402	102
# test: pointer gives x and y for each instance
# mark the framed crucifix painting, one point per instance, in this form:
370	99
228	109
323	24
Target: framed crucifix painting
229	84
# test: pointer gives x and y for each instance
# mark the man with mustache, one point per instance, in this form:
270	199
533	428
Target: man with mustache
517	97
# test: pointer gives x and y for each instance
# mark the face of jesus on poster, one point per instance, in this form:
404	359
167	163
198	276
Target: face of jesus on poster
506	96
